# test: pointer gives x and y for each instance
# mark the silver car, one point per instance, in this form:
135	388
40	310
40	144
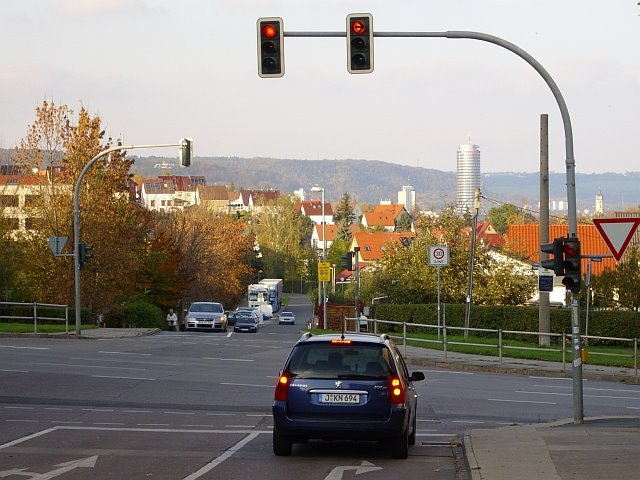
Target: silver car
286	318
206	316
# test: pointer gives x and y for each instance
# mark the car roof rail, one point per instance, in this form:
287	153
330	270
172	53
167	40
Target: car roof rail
306	336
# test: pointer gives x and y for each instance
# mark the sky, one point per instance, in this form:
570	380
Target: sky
155	71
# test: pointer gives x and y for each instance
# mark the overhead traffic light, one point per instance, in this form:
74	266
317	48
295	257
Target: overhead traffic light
346	261
554	249
571	264
186	151
360	43
270	47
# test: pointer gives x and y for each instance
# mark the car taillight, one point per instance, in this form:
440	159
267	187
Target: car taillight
282	388
396	390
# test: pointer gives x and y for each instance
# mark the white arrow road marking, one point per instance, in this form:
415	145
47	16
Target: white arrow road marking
337	472
88	462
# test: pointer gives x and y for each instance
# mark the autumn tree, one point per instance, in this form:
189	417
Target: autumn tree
214	252
280	231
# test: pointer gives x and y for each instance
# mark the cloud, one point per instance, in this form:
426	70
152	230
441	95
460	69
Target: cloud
94	8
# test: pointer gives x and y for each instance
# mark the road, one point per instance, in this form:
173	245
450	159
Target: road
197	405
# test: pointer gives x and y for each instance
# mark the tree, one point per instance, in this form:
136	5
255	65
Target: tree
280	231
506	214
619	288
344	211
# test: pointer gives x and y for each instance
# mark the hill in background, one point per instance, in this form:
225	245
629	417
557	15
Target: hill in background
371	181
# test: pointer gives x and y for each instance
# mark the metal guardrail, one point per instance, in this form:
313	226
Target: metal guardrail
443	330
35	317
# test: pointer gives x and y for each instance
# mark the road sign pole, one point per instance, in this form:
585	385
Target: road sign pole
438	270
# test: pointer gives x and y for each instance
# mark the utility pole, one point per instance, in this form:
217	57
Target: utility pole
544	319
472	255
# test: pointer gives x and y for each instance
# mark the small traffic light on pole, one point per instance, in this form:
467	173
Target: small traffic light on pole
85	252
346	261
360	43
554	249
571	264
186	151
270	47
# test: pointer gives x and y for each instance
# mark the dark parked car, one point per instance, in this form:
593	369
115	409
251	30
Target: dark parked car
353	386
245	324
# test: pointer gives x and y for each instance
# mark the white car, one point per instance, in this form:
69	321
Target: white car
287	318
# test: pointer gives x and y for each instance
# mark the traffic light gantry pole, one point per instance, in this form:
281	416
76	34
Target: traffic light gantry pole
186	146
569	166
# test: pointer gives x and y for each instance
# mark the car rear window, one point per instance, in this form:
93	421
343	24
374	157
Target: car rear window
326	359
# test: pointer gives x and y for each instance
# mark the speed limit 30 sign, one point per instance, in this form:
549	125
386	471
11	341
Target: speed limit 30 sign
438	255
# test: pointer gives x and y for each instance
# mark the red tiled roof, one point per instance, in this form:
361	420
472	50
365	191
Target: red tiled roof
524	239
330	230
372	243
383	215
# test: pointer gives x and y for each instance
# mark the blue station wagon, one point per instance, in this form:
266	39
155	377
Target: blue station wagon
345	387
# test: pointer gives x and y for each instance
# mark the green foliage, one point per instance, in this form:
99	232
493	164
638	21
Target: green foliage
619	288
504	215
344	211
136	313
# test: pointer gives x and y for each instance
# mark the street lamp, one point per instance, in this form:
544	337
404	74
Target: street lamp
317	188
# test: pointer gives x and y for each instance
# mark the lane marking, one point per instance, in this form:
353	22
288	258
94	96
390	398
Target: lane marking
97	410
519	401
592	388
551	378
62	421
24	348
28	437
108	423
229	359
62	409
180	413
19	408
137	411
569	394
123	378
469	421
245	385
128	361
217	461
85	366
125	353
449	372
23	421
10	370
221	414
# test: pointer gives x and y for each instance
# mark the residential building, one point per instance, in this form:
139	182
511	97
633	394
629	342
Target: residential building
247	200
313	210
468	176
373	244
385	217
214	198
317	238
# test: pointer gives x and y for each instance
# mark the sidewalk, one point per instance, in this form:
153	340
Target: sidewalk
597	449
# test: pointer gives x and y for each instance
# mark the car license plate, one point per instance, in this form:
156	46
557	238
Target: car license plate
340	398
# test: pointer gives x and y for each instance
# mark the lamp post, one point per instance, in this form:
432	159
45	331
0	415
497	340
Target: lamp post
317	188
76	217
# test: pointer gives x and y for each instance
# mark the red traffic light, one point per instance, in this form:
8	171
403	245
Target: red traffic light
570	250
359	27
269	31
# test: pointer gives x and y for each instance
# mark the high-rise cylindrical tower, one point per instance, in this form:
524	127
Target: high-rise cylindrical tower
468	176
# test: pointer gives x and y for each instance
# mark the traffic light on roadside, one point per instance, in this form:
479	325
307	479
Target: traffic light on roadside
554	249
346	261
270	47
360	43
571	264
186	152
85	252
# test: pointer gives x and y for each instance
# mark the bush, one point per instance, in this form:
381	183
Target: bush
136	313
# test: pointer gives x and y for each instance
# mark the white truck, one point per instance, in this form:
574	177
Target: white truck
274	286
258	298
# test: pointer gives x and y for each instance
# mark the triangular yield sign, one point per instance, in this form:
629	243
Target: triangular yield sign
617	233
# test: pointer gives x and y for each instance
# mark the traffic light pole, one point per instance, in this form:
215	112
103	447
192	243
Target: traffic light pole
76	218
569	166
